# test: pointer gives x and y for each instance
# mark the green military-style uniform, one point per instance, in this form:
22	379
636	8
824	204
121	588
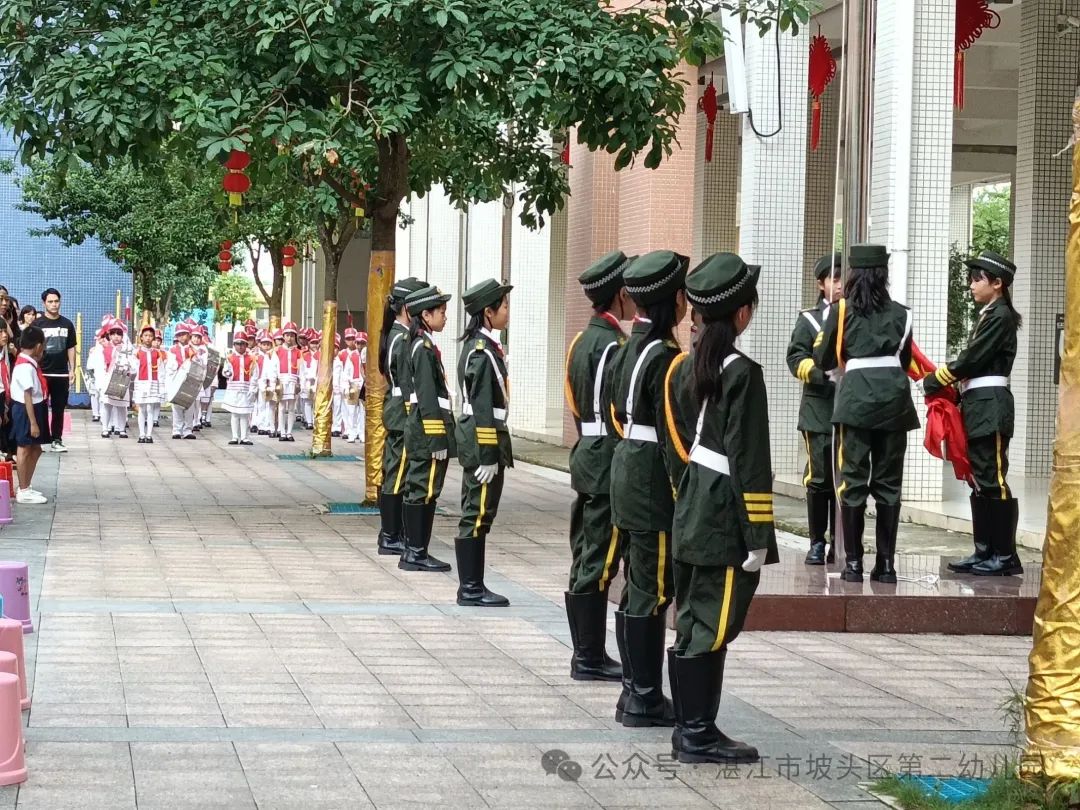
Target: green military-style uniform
723	525
815	414
981	374
873	412
642	501
429	435
595	544
394	414
483	441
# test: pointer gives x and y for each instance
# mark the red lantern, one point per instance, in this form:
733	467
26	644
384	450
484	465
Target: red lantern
224	267
822	72
226	245
235	182
708	105
972	18
237	161
288	255
225	257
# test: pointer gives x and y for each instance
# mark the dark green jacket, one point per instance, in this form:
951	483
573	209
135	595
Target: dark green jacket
430	425
590	458
481	433
873	398
990	352
398	381
816	408
641	495
721	517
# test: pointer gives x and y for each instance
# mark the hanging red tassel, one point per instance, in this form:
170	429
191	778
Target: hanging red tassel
958	81
822	71
566	152
708	105
972	18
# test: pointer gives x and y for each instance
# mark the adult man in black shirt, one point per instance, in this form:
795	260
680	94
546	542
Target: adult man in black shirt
58	364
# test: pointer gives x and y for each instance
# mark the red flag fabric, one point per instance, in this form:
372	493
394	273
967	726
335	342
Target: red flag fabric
945	437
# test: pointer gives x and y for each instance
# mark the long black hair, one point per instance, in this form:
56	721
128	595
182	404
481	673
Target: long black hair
476	322
715	341
867	290
416	326
389	316
976	273
664	318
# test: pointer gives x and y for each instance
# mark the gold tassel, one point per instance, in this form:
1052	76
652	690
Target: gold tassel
324	394
380	283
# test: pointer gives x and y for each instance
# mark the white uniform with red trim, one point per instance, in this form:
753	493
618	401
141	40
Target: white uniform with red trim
285	366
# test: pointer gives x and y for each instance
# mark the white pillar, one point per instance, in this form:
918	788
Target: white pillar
819	233
716	183
960	216
772	207
910	183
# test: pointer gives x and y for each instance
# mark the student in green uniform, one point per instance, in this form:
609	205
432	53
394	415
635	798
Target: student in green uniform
981	372
816	408
723	528
429	429
595	546
868	336
394	366
641	497
483	439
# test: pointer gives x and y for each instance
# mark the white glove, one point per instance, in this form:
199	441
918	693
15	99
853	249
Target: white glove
440	455
486	473
756	559
834	375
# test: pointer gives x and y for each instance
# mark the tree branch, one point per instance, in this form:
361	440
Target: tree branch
255	256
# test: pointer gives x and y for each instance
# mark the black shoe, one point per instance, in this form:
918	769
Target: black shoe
854	521
290	439
646	705
335	434
620	640
586	614
176	436
391	534
470	566
105	434
149	439
275	435
191	436
696	685
888	524
123	434
417	538
141	440
980	529
234	441
96	419
816	554
1004	562
157	424
283	438
817	516
246	442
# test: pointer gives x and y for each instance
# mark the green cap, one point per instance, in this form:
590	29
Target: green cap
721	284
828	265
401	289
427	297
484	294
604	278
655	276
860	256
993	264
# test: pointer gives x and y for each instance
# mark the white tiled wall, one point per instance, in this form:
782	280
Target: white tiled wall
716	184
960	216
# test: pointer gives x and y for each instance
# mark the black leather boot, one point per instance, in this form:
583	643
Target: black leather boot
471	590
587	616
853	520
888	525
817	515
391	540
980	528
1004	562
620	640
699	680
646	705
417	536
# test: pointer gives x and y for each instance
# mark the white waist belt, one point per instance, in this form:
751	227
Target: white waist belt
443	401
498	413
711	459
396	392
642	433
593	429
984	382
858	363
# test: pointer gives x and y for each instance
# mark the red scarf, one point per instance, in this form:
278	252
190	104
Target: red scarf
24	360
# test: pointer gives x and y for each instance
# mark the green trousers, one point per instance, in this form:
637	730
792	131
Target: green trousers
424	479
648	572
871	463
989	457
595	545
393	464
819	462
479	504
712	604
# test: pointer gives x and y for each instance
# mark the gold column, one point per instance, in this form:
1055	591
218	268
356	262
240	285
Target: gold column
324	394
1052	709
380	283
78	354
275	323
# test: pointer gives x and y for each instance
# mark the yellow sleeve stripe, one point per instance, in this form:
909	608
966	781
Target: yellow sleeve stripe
944	377
567	390
485	429
805	367
820	337
758	497
759	507
673	432
488	442
761	518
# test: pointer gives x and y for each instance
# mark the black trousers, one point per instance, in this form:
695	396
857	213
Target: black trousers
59	387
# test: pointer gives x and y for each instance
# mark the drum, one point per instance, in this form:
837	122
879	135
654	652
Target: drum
186	385
119	382
213	366
353	397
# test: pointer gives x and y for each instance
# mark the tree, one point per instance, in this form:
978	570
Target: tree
158	225
383	96
234	298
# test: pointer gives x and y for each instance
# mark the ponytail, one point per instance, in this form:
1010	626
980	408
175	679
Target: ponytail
715	341
416	326
388	318
1018	319
663	317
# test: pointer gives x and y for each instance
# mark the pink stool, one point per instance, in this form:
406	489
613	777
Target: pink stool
5	505
11	641
7	473
12	755
15	586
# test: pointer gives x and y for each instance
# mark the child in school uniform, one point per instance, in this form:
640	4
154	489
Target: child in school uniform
242	372
29	412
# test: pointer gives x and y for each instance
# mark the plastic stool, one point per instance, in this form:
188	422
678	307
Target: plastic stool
15	586
11	640
12	755
7	473
5	506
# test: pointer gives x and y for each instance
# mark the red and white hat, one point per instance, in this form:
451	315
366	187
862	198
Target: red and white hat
204	331
278	334
265	337
311	334
182	328
240	337
362	337
147	328
288	327
115	325
350	333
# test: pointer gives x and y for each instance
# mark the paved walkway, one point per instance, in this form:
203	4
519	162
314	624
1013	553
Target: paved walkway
206	637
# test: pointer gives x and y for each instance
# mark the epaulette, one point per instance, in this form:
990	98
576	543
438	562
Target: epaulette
427	343
671	344
481	345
